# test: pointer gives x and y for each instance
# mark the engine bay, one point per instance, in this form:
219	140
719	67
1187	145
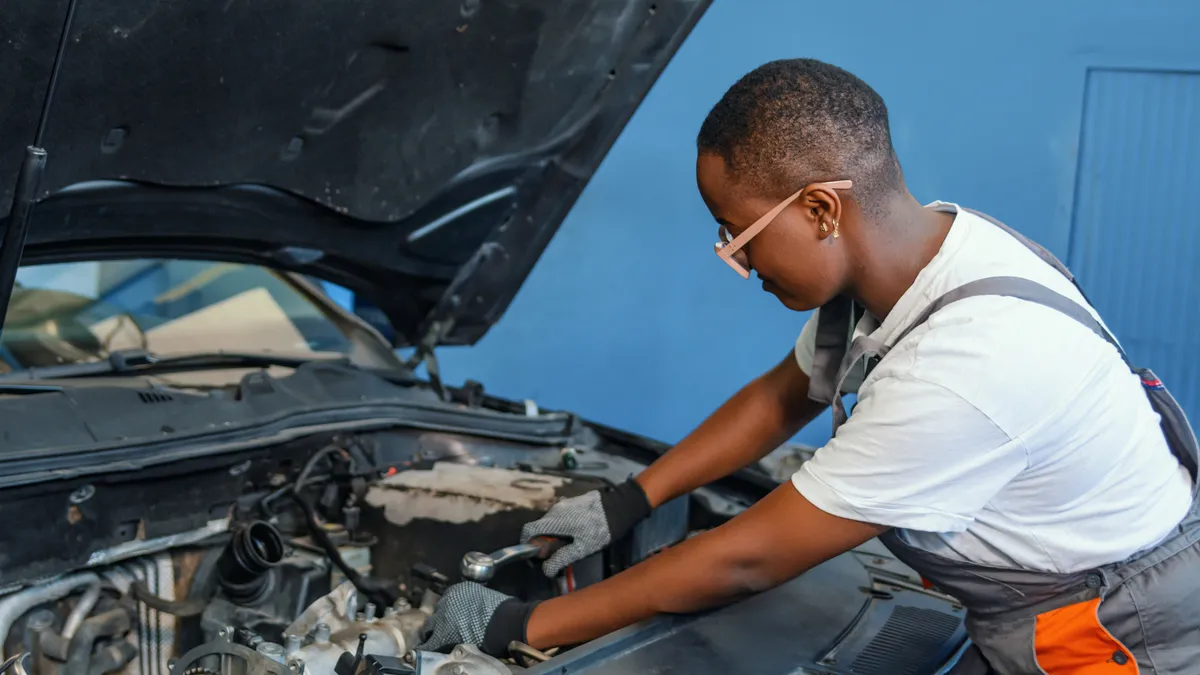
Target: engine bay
323	555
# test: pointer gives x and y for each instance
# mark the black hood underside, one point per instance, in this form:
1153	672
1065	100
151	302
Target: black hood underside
397	147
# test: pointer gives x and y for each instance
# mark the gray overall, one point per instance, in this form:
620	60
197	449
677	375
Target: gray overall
1140	615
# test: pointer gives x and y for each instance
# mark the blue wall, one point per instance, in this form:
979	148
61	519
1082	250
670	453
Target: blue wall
987	103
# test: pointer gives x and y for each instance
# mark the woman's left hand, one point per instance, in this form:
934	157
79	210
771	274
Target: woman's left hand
473	614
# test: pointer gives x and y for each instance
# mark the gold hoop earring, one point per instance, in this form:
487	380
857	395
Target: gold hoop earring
836	234
824	228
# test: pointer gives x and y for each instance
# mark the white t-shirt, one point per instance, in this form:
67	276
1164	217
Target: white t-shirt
1000	432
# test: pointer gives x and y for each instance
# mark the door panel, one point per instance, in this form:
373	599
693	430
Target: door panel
1135	231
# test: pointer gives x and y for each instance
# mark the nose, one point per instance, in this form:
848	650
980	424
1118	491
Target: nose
742	259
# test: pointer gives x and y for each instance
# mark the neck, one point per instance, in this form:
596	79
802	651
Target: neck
895	246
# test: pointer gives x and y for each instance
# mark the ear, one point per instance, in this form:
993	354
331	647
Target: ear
823	206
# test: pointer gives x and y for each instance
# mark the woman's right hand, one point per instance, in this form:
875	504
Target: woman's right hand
590	521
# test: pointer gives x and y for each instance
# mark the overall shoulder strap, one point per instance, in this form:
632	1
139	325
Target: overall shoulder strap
833	318
1024	289
1179	434
1030	244
1048	258
1180	437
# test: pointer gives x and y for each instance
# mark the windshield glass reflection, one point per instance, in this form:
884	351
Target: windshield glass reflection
76	312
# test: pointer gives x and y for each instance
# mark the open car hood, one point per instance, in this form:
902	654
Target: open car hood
419	153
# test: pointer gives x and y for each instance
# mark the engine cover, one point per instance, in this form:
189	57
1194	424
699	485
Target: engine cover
435	516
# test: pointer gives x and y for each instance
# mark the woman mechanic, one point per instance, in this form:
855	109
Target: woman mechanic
1001	444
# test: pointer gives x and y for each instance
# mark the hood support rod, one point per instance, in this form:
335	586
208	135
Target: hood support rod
29	182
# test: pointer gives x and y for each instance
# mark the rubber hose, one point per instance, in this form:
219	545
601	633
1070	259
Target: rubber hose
53	644
244	565
382	594
179	608
13	606
82	609
113	658
115	621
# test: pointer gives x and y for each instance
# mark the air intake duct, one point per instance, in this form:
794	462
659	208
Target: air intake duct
244	568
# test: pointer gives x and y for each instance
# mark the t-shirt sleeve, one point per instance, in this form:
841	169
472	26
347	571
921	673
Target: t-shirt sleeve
914	455
806	344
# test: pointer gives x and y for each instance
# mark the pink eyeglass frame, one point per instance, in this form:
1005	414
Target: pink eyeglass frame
726	250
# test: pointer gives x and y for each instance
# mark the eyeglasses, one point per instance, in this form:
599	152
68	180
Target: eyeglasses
726	250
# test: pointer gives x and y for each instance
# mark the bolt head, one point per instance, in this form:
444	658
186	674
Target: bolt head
478	566
82	493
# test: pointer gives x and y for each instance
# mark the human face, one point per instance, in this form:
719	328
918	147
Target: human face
787	243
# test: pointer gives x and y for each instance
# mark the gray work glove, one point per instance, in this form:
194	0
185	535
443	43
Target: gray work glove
591	521
469	613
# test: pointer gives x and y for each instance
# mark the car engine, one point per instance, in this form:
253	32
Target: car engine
324	566
324	553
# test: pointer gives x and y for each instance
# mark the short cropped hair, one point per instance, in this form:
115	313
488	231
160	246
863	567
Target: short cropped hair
791	122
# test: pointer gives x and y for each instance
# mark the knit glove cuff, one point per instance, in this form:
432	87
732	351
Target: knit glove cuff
467	614
508	623
591	521
625	505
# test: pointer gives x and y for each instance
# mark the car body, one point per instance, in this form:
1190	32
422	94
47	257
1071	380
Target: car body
235	463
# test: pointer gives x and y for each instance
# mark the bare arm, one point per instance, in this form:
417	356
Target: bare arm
758	419
776	539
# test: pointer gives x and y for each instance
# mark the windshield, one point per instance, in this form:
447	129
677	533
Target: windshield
77	312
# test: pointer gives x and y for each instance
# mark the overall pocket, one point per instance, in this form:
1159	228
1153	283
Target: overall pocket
1165	599
1072	640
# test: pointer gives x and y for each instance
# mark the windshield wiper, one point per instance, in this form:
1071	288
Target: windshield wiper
134	362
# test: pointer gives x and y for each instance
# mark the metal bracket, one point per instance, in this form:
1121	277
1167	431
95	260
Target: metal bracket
256	664
463	660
